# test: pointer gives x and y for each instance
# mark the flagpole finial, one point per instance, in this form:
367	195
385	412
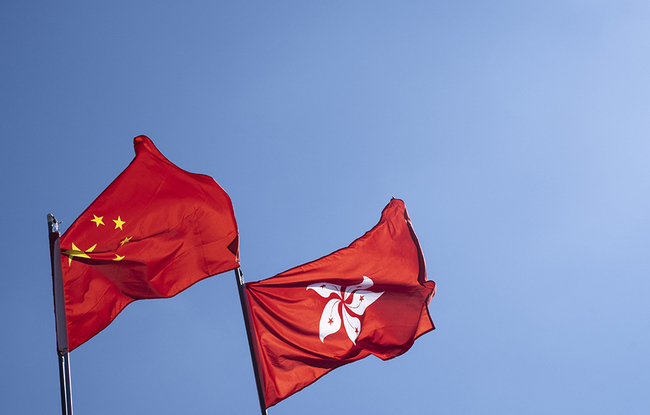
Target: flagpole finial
53	225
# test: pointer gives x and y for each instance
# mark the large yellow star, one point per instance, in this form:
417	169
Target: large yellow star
77	252
98	220
118	223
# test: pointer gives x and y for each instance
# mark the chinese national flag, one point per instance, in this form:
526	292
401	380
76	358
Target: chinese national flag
153	232
369	298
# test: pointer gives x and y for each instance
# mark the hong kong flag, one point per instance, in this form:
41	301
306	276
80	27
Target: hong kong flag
152	233
369	298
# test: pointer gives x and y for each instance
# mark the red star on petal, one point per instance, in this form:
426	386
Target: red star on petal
330	321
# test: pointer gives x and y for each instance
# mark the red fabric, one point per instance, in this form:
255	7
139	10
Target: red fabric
301	333
153	232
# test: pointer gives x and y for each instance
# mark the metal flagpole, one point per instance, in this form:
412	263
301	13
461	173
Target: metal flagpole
239	276
59	316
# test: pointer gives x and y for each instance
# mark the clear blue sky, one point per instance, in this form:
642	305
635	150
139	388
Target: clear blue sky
516	132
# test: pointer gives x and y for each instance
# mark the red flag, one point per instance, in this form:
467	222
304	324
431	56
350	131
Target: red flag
153	232
368	298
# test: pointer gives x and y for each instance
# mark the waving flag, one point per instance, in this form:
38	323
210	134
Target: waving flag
155	231
369	298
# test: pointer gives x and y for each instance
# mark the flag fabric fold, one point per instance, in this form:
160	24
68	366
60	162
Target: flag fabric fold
153	232
369	298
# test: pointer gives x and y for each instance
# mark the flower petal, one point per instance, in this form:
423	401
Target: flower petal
325	289
330	320
352	325
361	299
365	284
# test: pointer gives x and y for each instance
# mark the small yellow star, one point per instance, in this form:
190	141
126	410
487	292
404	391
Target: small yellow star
98	220
118	223
76	252
127	239
118	258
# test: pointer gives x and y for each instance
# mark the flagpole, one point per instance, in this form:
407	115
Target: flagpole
59	316
239	276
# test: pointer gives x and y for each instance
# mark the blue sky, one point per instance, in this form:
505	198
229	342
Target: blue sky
516	132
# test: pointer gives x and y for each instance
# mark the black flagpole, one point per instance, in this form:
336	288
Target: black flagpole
239	275
59	316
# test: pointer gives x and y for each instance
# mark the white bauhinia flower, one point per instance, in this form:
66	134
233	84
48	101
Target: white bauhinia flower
333	314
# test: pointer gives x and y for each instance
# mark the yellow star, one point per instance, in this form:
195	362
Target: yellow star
98	220
127	239
118	258
76	252
118	223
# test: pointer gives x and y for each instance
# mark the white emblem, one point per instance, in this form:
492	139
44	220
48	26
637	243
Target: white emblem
330	320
